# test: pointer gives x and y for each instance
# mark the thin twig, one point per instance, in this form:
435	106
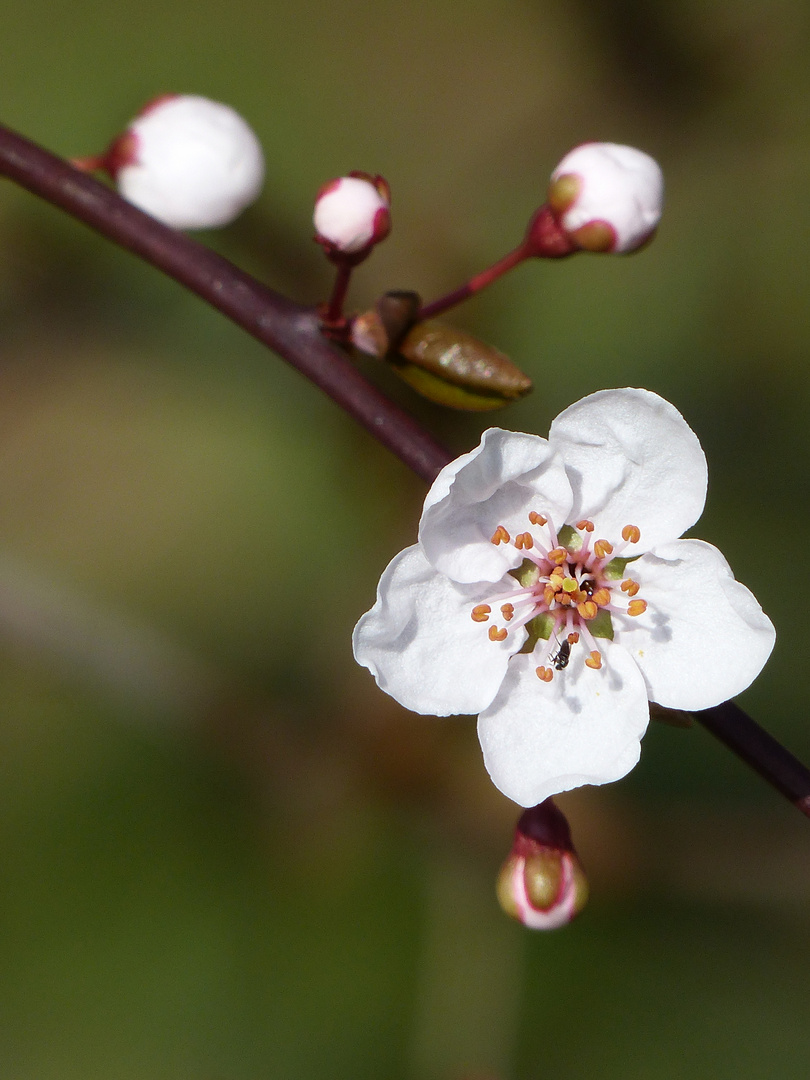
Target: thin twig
751	743
293	332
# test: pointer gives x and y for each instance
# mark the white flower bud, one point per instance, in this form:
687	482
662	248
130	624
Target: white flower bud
607	197
352	213
189	162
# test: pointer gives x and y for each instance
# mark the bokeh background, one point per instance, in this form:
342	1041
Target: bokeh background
224	855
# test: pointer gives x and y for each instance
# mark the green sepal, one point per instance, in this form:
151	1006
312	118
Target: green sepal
614	570
542	625
602	625
539	628
528	573
568	537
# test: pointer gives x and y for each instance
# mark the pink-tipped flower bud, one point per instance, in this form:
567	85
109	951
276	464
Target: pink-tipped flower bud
607	197
352	214
189	162
541	884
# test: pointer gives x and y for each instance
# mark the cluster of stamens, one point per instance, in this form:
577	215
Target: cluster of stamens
569	584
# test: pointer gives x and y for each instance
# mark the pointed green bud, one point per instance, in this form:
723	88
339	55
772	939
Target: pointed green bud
443	364
541	884
453	368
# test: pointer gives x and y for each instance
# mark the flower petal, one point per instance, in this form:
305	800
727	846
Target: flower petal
421	645
632	460
704	637
583	727
498	483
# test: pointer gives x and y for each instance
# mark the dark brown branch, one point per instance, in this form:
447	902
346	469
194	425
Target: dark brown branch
293	332
286	327
735	728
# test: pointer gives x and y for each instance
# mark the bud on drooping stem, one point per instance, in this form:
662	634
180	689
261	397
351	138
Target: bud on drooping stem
190	162
541	884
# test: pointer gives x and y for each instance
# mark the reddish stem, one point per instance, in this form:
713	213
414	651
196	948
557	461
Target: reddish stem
334	309
475	284
89	164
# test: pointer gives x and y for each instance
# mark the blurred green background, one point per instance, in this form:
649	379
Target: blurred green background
224	855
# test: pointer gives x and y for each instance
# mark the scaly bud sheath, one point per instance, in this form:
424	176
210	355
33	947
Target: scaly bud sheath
541	884
190	162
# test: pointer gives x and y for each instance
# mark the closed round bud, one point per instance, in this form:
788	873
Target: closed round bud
541	884
607	197
352	214
189	162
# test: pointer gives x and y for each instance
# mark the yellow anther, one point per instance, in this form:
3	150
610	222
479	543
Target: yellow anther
587	610
585	525
507	610
537	519
630	587
500	536
558	555
548	595
601	597
569	585
524	540
545	674
496	635
594	660
602	548
480	613
573	638
565	599
636	607
557	574
631	533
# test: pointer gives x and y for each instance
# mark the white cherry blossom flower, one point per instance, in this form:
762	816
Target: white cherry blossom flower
550	593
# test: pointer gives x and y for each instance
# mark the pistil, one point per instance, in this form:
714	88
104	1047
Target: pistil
570	588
